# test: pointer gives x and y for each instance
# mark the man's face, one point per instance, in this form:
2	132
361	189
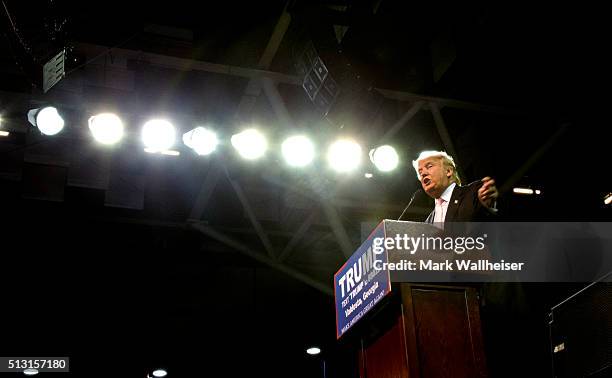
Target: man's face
434	177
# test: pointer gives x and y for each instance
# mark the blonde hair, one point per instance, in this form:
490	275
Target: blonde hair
447	161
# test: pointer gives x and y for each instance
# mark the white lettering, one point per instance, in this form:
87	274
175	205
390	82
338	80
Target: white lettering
349	279
358	269
378	264
370	291
416	242
437	266
377	244
341	282
389	243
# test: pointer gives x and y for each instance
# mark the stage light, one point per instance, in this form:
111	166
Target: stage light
250	144
385	158
201	140
522	191
313	351
164	152
537	191
158	135
344	155
159	373
2	132
47	119
106	128
608	199
30	371
298	151
368	175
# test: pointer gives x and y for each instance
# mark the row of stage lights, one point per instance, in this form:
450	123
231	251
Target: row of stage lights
158	136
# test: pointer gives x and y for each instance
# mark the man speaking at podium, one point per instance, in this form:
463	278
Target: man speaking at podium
437	173
476	202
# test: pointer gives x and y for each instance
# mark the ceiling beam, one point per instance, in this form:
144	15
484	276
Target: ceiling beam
250	231
337	228
348	203
447	102
208	186
533	159
245	106
258	256
279	107
400	123
277	102
247	101
297	237
253	88
445	136
275	39
183	64
252	218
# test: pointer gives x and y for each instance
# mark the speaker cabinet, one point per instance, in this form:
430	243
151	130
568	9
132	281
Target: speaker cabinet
581	333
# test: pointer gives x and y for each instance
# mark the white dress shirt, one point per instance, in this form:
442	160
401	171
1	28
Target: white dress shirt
441	204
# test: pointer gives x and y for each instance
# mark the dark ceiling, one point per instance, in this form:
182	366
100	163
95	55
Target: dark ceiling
125	261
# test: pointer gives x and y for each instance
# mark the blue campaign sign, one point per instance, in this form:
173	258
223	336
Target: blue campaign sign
358	286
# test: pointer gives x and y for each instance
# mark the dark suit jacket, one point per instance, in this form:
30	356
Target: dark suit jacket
464	206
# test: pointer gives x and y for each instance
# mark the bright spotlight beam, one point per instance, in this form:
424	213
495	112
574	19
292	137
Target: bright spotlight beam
250	144
201	140
106	128
158	135
48	120
298	151
344	156
385	158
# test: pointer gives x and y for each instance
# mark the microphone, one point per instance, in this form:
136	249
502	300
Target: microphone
410	203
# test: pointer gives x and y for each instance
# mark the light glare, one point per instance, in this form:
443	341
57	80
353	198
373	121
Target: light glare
298	151
250	144
48	121
385	158
160	373
164	152
522	191
201	140
158	135
344	155
106	128
313	351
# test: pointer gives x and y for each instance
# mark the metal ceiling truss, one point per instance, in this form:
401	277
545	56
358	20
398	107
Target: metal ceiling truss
261	78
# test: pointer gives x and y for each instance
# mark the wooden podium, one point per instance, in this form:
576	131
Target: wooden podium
426	331
421	330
